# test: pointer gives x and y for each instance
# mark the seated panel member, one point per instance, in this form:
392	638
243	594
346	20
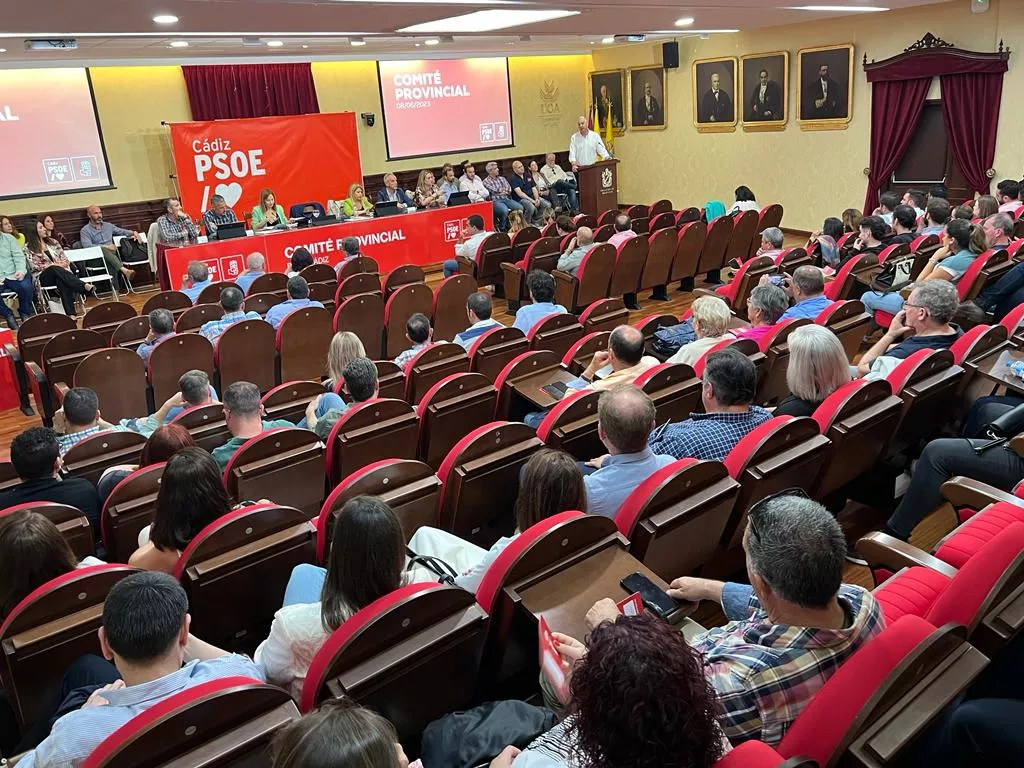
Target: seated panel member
559	181
449	183
730	381
102	233
501	196
478	309
469	244
542	290
392	194
220	213
357	203
268	214
427	194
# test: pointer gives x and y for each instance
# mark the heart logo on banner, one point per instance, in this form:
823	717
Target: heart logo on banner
230	192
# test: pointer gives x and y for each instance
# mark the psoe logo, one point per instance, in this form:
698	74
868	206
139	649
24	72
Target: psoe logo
7	115
453	230
606	178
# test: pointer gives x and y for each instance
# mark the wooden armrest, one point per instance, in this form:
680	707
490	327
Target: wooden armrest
510	268
43	392
61	390
973	494
564	277
708	292
11	350
882	550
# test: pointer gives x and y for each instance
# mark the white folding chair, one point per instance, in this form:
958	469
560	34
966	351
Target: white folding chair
97	275
133	265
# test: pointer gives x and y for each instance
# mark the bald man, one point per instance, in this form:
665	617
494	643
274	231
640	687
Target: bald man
102	233
578	247
625	418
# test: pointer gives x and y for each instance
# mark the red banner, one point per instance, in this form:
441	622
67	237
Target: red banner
423	237
303	158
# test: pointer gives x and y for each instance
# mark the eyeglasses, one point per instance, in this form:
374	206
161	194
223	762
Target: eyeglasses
759	506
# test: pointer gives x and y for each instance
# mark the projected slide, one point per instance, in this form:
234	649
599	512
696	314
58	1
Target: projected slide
436	107
49	133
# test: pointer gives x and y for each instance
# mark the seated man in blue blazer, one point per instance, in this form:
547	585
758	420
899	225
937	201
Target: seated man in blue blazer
391	193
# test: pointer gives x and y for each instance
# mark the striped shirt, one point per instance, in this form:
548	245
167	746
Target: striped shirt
466	338
213	329
77	733
404	358
766	674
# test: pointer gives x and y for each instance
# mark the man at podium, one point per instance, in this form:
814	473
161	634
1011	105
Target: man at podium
586	147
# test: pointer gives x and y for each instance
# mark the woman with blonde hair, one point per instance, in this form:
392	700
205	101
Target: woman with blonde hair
817	368
851	219
516	222
711	318
427	193
345	347
357	203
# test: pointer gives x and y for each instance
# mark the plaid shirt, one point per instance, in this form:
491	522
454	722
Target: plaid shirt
766	674
708	436
403	359
65	442
179	231
498	186
213	329
211	217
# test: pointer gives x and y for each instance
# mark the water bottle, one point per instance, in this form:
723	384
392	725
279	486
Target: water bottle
1016	368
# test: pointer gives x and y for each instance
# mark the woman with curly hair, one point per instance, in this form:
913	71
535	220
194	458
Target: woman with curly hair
638	698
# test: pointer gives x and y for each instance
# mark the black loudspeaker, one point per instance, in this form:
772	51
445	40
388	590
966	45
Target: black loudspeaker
670	55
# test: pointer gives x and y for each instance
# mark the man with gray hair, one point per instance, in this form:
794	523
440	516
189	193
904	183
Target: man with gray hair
501	196
771	242
926	315
231	300
243	414
791	627
1008	291
220	213
197	277
161	326
255	266
806	287
578	247
298	298
392	194
625	418
350	247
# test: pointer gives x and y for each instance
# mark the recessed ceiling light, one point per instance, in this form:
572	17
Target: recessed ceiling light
432	41
608	40
3	50
488	21
417	45
838	8
685	21
274	43
179	43
305	46
693	32
165	18
356	41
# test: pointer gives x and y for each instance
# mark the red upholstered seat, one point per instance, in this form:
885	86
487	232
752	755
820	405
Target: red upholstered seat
751	754
841	283
912	591
965	286
1013	318
728	291
969	538
821	729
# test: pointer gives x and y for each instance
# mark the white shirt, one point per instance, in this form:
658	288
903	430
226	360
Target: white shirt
295	637
761	93
470	248
585	150
477	191
824	88
553	173
744	205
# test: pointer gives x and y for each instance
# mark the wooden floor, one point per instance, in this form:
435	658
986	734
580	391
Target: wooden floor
855	520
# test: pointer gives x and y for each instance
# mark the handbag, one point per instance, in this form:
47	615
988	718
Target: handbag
894	275
444	572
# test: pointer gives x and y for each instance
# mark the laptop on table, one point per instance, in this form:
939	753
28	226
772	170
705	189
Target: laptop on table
230	231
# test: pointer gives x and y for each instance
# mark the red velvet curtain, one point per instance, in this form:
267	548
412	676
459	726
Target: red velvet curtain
250	90
970	110
895	111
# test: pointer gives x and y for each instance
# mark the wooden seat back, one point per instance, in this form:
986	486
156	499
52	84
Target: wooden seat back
353	285
173	357
403	303
363	314
288	401
88	458
773	386
106	316
493	350
128	509
629	266
37	330
571	426
604	315
849	322
286	464
319	273
927	382
65	351
118	377
245	352
72	523
555	333
521	242
661	250
689	244
579	355
211	293
401	276
206	424
494	250
674	388
261	302
369	432
744	233
431	365
131	333
455	405
303	339
271	282
591	281
358	265
193	318
712	254
449	317
175	301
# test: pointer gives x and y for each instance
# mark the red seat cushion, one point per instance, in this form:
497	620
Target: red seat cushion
912	592
977	532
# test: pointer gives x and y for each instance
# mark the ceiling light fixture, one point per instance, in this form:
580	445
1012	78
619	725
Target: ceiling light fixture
3	50
676	32
685	21
356	41
431	41
305	46
165	18
607	40
488	21
179	43
274	43
837	8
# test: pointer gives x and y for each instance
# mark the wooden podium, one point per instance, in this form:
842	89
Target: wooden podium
598	187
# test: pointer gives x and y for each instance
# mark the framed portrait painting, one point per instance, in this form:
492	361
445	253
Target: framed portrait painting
764	79
608	91
647	99
714	95
824	88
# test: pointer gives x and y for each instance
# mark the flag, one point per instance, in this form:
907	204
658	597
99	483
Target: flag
609	134
594	123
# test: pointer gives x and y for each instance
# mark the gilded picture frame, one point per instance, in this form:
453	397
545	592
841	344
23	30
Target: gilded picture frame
648	108
608	85
820	70
767	110
713	85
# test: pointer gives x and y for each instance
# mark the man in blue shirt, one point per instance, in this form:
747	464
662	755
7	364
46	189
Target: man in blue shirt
145	633
255	266
478	309
542	291
298	298
625	418
730	381
197	277
806	287
161	326
231	300
102	233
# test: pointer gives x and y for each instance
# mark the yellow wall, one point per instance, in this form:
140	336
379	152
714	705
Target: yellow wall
132	101
813	174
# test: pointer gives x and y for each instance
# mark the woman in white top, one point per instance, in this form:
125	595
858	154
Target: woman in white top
711	317
366	562
542	186
744	201
551	482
